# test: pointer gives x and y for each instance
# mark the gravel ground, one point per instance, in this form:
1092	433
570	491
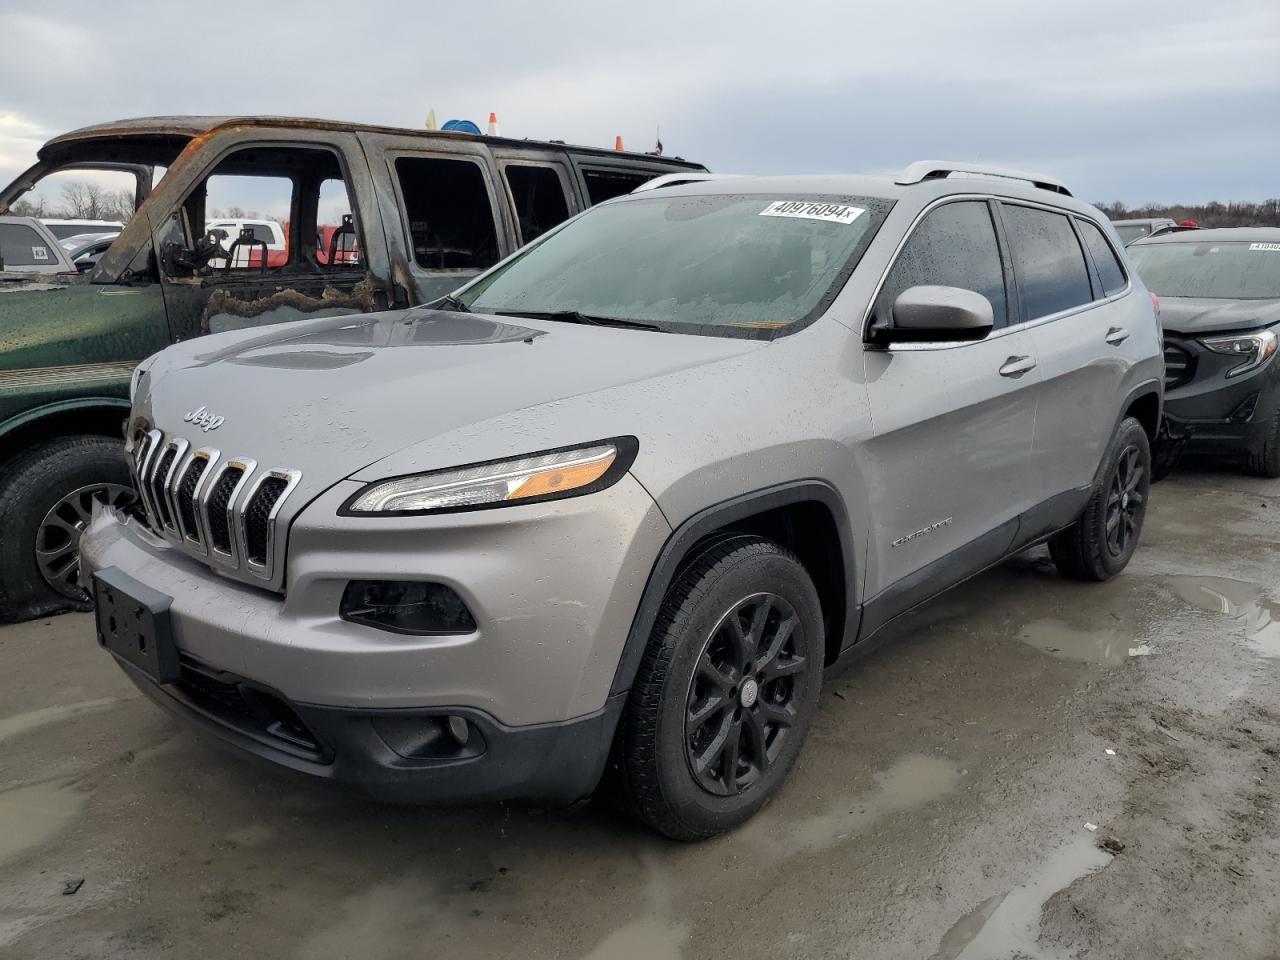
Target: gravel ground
942	807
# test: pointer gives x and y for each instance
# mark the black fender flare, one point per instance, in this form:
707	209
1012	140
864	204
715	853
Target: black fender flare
706	522
1144	389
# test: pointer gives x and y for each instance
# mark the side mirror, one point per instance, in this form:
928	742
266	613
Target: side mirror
929	314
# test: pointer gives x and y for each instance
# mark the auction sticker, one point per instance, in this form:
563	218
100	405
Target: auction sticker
804	210
1273	247
39	253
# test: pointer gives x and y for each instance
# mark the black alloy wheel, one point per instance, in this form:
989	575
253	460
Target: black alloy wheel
741	703
1125	501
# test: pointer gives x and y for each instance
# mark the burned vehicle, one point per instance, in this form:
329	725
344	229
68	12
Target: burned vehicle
407	216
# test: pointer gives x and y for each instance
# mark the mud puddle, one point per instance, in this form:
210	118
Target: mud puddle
31	816
21	723
912	781
649	939
1105	646
1007	926
1240	600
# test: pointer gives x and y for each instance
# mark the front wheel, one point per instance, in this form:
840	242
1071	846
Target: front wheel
726	691
1101	542
46	498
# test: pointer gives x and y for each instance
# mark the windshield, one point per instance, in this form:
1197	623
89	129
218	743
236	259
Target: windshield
1235	270
1132	231
721	264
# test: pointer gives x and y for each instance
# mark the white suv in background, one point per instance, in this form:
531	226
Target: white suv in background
263	231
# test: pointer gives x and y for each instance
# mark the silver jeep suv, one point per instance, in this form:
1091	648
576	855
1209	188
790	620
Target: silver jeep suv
613	507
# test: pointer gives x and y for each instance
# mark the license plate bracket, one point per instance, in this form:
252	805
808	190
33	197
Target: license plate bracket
133	623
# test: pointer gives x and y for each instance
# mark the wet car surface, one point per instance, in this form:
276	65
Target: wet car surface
940	809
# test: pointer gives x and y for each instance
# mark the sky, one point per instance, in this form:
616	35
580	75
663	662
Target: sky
1131	100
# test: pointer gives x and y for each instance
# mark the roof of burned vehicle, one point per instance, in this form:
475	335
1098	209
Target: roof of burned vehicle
195	126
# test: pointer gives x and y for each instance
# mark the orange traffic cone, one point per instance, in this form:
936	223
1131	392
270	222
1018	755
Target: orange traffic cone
617	143
493	124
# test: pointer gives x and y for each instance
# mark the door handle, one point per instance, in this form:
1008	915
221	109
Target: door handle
1017	366
1117	336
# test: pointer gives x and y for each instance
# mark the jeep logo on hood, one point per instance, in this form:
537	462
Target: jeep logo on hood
203	419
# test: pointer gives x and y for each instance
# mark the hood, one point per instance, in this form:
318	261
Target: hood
1194	315
330	396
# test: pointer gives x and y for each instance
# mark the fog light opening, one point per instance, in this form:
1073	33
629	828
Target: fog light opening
407	606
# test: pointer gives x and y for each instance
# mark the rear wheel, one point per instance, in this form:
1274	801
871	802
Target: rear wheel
725	693
46	499
1263	459
1101	542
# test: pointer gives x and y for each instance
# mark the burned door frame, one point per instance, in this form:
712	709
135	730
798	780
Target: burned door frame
286	293
413	283
547	159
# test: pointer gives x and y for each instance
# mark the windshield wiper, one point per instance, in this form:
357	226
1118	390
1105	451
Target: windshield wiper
449	303
574	316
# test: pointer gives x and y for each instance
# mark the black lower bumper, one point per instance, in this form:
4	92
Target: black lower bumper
1224	416
395	755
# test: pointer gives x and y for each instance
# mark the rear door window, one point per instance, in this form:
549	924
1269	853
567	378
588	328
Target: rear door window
539	198
1047	261
1104	258
954	246
20	246
605	184
450	217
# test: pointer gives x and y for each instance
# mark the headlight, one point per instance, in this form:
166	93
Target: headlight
568	472
1254	349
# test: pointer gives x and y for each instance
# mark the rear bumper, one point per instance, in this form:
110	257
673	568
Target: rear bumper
365	750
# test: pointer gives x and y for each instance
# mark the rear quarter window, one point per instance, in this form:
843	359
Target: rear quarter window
604	184
1110	272
20	246
1047	260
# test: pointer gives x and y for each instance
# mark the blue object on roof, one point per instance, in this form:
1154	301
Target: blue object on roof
460	126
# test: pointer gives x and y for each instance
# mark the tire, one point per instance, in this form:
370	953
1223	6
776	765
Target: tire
1263	459
1101	542
46	492
690	693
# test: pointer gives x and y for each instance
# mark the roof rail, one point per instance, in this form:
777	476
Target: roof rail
675	180
923	170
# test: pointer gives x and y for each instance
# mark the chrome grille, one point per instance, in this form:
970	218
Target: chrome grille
222	509
224	489
185	495
159	482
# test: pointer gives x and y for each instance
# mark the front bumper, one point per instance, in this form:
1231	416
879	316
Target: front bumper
363	750
553	588
1212	412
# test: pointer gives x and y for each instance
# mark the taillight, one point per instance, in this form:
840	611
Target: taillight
1155	302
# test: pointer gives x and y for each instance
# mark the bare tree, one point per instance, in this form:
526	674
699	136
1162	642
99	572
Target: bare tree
82	201
118	205
1213	214
36	207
